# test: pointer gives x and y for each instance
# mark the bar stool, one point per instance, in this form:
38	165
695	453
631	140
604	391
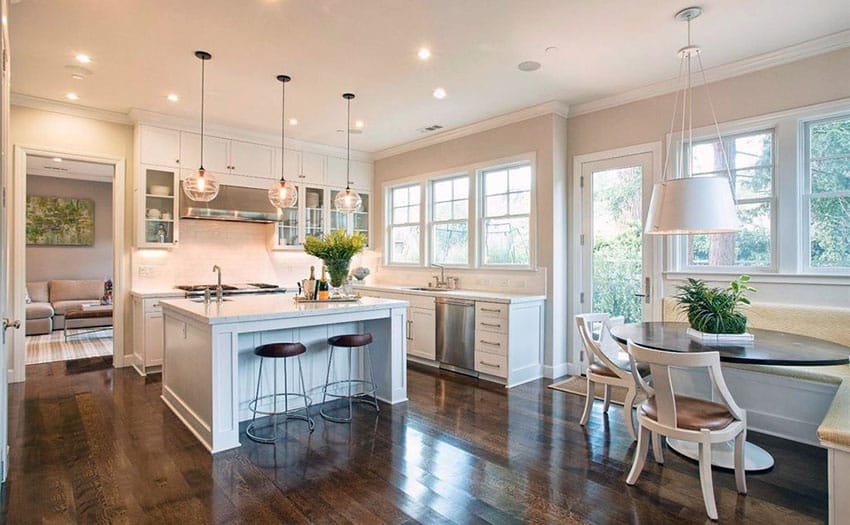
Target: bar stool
367	388
279	351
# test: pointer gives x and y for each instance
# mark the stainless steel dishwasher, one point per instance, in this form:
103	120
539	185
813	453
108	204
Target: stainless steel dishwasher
456	335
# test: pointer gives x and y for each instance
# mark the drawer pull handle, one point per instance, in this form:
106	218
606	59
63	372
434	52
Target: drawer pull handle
490	343
485	363
155	305
409	323
491	324
494	310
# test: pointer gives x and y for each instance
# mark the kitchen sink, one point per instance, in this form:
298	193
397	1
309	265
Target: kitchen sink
212	301
427	289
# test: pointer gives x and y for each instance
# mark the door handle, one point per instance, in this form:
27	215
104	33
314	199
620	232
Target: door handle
7	323
646	291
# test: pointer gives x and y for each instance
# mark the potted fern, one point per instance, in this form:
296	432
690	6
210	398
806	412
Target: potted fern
714	313
336	250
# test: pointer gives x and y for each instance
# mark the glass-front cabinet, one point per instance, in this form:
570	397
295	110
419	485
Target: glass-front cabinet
314	215
158	207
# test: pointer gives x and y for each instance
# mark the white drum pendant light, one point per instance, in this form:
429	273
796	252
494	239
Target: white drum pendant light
201	186
283	193
690	205
348	200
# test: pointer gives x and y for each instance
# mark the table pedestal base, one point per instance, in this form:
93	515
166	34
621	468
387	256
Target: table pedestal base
723	454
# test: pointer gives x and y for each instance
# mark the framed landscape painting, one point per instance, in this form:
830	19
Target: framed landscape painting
60	221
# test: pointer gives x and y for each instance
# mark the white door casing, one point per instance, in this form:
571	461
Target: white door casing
5	164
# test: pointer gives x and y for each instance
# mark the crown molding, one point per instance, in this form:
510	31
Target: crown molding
66	108
554	107
792	53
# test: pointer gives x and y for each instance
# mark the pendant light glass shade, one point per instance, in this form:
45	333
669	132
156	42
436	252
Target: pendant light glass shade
691	205
201	186
282	193
348	200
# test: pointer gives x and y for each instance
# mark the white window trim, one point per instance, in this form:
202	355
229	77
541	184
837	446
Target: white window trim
789	253
472	171
388	222
532	219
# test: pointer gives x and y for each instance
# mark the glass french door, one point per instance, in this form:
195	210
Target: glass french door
617	259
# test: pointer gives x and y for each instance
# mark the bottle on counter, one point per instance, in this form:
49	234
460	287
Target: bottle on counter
310	285
324	288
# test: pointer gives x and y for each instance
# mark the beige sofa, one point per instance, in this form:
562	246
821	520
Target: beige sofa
50	300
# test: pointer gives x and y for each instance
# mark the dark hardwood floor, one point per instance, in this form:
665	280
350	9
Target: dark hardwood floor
90	444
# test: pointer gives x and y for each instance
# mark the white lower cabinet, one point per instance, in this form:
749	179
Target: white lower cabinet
509	340
421	332
147	335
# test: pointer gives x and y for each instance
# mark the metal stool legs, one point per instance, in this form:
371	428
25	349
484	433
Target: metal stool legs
367	394
251	430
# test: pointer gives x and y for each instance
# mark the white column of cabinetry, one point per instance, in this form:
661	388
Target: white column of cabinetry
147	334
509	340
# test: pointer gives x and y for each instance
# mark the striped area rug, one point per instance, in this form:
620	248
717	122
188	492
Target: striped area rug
52	347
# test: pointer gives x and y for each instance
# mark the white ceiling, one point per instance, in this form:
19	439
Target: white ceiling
143	50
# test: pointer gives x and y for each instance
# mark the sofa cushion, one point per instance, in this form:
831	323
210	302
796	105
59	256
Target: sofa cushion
60	307
69	290
37	291
39	311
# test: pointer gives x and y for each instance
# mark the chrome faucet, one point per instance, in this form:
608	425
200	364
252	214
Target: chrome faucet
441	280
219	291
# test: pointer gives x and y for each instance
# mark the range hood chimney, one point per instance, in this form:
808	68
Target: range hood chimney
233	203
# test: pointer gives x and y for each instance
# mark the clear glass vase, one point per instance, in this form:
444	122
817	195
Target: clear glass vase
338	272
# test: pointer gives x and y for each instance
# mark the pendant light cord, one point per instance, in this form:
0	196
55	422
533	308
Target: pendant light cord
348	148
203	61
282	131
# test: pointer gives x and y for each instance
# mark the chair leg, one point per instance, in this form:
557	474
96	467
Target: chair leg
629	412
740	470
606	399
588	402
705	479
657	448
640	456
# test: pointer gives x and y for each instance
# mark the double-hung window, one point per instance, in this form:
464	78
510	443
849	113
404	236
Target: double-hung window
506	215
450	221
404	219
751	165
826	194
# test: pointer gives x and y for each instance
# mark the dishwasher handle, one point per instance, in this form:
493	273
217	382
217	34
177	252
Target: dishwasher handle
454	301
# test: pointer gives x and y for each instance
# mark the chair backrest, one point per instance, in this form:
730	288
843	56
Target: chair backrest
660	362
605	349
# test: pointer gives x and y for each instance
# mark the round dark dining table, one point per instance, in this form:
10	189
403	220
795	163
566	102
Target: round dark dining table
768	347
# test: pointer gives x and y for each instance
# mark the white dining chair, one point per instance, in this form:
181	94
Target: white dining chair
686	418
606	366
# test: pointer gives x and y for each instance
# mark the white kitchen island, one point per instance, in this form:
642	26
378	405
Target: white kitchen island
209	371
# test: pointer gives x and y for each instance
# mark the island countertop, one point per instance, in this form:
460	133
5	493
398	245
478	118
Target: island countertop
268	307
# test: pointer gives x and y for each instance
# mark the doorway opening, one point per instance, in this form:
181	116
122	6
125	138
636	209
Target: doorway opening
69	254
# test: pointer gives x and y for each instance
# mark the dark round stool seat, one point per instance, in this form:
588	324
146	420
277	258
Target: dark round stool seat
280	350
350	340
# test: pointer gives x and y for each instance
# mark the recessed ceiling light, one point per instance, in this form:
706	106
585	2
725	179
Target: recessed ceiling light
72	96
57	159
424	53
529	65
440	93
83	59
77	76
172	97
293	121
359	124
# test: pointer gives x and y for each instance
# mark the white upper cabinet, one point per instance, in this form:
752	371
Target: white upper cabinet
361	174
312	168
252	160
159	146
216	152
293	165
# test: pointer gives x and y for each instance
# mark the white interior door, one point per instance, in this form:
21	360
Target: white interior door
618	262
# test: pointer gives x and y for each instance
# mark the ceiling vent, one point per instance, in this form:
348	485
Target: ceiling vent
429	129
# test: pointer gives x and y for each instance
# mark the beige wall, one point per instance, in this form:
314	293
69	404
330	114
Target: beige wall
76	135
74	262
544	136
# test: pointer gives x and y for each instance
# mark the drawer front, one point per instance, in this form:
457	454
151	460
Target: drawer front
491	342
491	310
152	305
492	364
491	324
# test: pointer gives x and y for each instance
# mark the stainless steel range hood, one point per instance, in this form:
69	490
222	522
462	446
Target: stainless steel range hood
232	204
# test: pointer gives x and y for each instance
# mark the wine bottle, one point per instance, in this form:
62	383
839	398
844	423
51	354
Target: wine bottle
324	289
310	285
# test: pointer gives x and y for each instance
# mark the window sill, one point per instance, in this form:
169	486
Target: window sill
763	277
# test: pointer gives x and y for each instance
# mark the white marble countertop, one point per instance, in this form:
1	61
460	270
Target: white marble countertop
242	308
496	297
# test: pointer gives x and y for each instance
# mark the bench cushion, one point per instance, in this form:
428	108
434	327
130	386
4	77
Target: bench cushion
61	307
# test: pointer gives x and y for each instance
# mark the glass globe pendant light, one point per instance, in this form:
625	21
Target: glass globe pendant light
201	186
282	193
348	200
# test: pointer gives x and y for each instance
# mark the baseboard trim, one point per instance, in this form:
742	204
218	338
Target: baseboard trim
555	371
